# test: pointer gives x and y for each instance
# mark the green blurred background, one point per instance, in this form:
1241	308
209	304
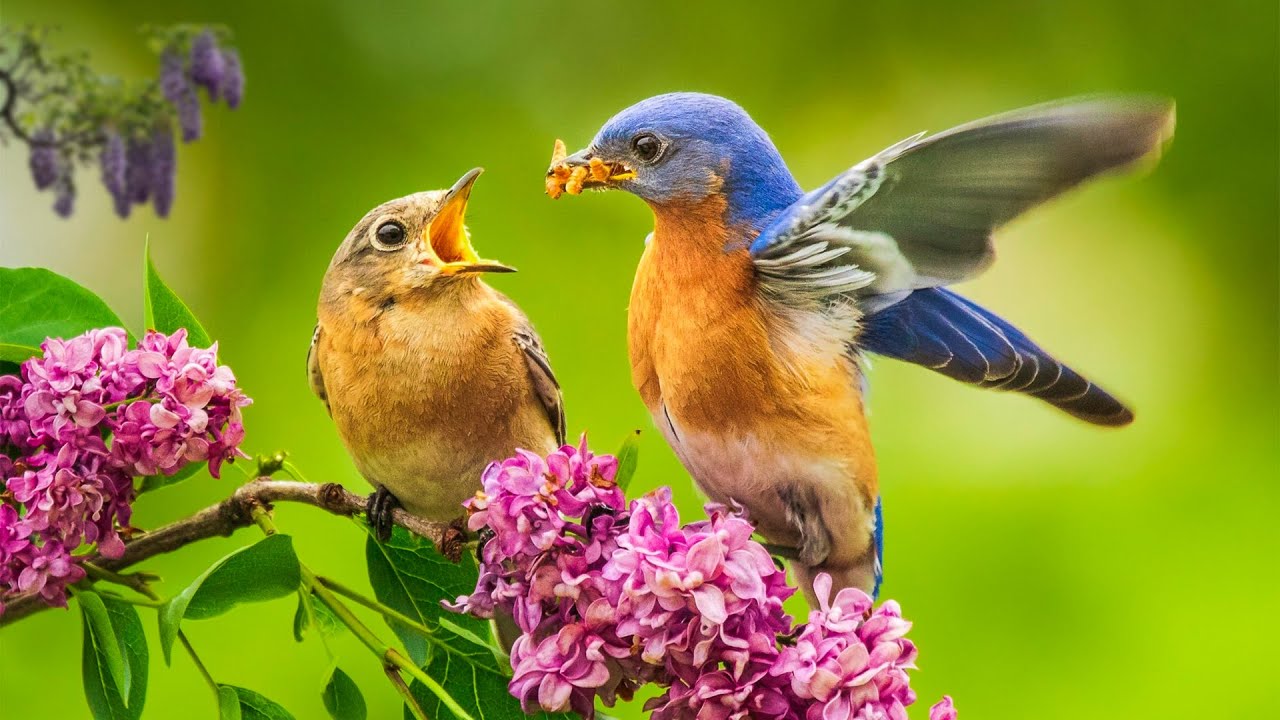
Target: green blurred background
1053	570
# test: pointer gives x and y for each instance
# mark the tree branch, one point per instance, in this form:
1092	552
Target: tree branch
236	512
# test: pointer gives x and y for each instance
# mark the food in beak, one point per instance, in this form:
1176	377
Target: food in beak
563	177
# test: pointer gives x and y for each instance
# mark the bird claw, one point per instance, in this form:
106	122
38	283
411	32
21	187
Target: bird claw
380	510
485	535
455	537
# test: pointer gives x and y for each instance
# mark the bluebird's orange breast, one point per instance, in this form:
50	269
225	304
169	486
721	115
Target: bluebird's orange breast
751	398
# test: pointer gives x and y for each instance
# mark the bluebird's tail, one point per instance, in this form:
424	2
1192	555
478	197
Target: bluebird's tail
942	331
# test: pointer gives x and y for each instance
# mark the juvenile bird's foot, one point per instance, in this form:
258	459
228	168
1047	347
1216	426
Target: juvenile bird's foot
379	510
454	539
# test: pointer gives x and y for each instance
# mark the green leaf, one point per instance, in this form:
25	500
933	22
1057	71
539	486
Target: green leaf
628	459
155	482
36	304
17	353
312	614
107	649
343	699
248	705
482	693
263	571
114	664
228	703
408	575
163	310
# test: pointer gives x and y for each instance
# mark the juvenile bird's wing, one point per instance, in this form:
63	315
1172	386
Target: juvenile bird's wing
920	213
314	377
544	380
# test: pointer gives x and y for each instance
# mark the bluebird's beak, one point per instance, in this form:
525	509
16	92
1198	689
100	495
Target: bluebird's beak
446	243
583	170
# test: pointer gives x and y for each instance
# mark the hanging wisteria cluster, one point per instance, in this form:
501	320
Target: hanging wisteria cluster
79	424
69	116
611	596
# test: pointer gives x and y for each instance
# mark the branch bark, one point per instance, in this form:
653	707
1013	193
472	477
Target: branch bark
236	512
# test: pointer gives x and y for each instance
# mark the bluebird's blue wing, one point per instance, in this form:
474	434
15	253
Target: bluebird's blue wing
951	335
920	213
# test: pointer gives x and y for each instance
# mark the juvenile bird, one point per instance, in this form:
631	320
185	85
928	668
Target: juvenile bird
754	301
427	371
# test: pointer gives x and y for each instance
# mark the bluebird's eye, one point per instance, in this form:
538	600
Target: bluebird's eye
647	147
390	235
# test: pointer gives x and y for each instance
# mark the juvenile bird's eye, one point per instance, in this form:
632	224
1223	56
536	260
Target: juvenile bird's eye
647	147
390	235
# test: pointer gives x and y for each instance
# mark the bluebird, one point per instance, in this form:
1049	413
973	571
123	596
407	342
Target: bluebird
428	372
755	303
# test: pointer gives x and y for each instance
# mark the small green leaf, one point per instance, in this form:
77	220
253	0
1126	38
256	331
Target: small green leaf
628	459
163	310
17	353
108	648
342	698
228	703
249	705
263	571
114	665
408	575
314	615
36	304
464	633
302	616
155	482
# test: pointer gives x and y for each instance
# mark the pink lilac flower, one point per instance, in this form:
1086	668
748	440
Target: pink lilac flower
86	417
610	597
943	709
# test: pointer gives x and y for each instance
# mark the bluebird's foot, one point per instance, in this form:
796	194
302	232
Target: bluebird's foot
485	535
382	505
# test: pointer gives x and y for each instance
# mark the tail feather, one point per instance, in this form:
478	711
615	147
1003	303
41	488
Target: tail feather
947	333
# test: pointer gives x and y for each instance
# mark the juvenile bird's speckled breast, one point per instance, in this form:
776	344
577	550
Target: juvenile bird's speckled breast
751	398
425	395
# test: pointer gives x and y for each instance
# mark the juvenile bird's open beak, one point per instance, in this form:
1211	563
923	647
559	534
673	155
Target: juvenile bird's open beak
446	241
582	170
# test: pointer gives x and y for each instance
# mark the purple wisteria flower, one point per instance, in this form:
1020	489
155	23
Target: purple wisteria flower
64	195
611	596
114	162
178	89
138	169
208	68
164	168
45	163
232	79
83	420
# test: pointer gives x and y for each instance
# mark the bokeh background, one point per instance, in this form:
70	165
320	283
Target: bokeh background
1053	570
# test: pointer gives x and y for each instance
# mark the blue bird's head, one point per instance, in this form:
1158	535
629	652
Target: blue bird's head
682	148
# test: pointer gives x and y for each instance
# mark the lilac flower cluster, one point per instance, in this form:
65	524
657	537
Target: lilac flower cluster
84	419
610	596
137	159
